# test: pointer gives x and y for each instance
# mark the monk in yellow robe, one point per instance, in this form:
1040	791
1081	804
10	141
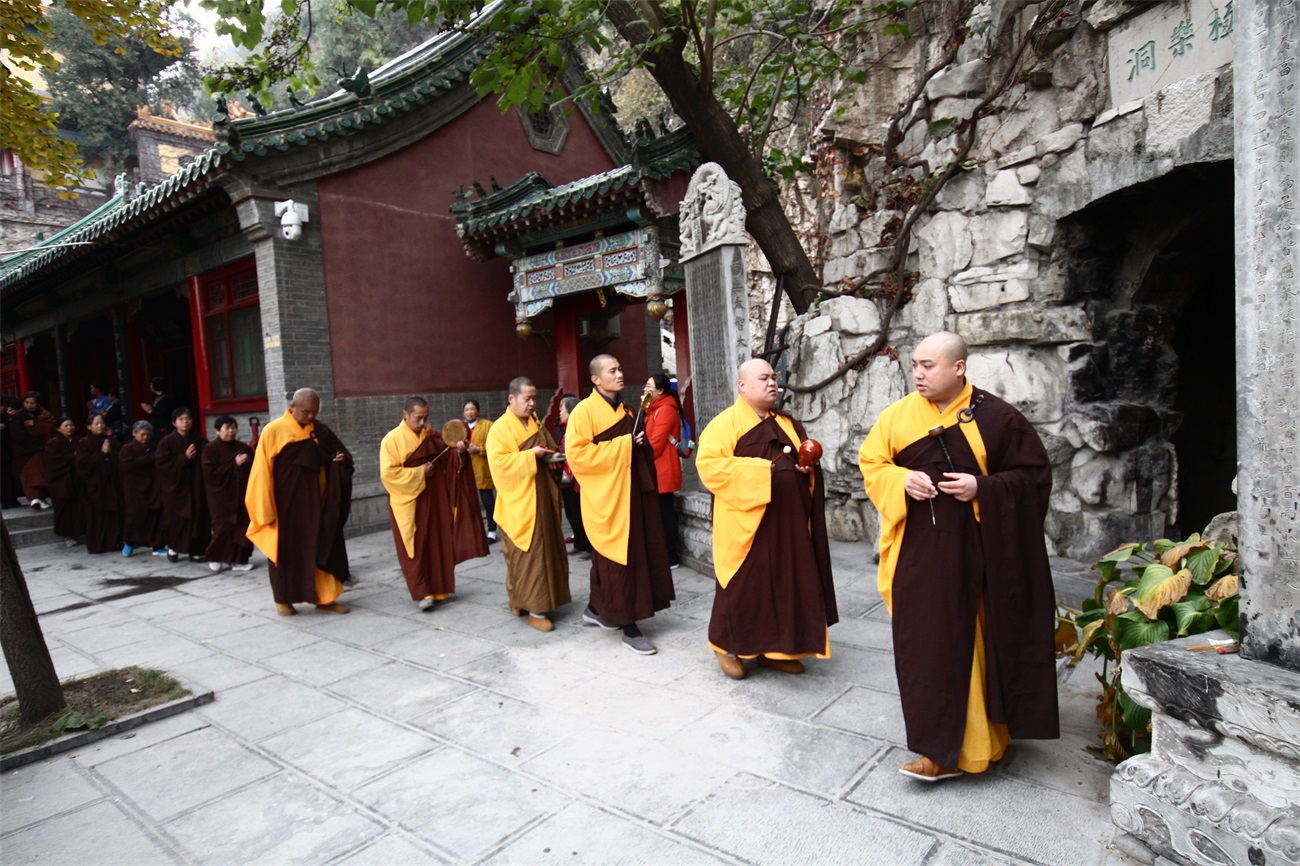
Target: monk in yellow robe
612	460
430	492
775	596
961	481
477	446
295	513
527	509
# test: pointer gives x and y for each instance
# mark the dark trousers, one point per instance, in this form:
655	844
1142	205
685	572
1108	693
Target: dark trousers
668	513
489	500
573	513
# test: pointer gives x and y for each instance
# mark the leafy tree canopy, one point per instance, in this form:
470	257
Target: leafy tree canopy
30	47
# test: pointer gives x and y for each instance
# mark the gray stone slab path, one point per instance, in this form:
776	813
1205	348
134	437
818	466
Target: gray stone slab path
463	736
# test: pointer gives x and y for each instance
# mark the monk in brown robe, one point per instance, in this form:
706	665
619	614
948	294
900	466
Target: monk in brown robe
527	510
179	458
301	472
29	429
775	597
961	481
225	481
432	505
141	500
65	488
101	496
612	460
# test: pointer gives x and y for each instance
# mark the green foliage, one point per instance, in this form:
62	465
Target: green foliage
97	88
72	720
1147	593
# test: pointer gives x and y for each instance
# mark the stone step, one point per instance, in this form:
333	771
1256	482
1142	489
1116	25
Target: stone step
33	536
28	527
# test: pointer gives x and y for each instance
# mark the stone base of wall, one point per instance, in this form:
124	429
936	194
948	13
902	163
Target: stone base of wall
695	530
1221	784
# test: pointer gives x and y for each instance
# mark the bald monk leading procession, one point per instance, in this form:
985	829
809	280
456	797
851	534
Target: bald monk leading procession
527	510
433	504
775	598
961	481
298	494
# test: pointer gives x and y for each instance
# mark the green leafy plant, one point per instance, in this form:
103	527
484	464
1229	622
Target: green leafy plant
1146	593
72	720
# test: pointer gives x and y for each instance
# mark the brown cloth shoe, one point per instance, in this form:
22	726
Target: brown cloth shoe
284	609
332	608
731	666
925	770
785	666
516	611
541	623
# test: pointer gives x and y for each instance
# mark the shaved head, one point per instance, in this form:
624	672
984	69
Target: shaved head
598	364
305	395
304	406
951	347
939	368
757	385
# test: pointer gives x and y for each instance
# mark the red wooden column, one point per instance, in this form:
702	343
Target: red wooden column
682	346
24	372
202	371
568	350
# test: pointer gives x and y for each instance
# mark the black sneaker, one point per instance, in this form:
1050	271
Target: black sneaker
173	556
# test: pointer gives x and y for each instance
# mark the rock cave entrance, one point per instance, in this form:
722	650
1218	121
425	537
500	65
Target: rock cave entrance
1154	266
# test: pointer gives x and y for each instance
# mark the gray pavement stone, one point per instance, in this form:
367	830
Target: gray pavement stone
177	650
214	622
217	672
41	790
399	691
796	697
441	650
278	820
526	732
394	848
776	825
365	628
344	661
63	840
263	640
460	804
348	748
867	712
138	739
268	706
993	811
583	834
177	774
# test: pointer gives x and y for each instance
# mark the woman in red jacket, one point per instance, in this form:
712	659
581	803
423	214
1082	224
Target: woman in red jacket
664	419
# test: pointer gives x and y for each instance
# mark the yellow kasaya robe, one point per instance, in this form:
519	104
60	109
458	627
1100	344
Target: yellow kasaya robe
528	515
263	518
901	424
405	484
789	601
479	436
603	469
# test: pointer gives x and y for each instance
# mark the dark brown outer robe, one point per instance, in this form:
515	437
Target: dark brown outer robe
224	484
100	494
623	594
782	598
65	487
310	526
947	564
438	543
142	503
537	579
29	451
185	524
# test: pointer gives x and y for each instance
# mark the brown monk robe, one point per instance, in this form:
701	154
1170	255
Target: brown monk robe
29	429
527	509
65	488
300	474
141	499
101	496
225	481
610	457
968	583
179	456
775	596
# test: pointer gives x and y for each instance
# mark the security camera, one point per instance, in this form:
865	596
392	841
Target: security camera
292	215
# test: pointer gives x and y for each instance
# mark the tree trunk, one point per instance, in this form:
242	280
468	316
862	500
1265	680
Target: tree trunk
720	141
35	681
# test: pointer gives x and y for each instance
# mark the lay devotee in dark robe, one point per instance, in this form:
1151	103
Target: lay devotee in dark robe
226	462
301	471
29	429
963	565
101	497
141	498
433	505
528	508
179	458
613	462
61	469
775	597
478	434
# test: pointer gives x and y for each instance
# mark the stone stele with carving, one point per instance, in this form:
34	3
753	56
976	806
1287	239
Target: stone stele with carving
712	213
